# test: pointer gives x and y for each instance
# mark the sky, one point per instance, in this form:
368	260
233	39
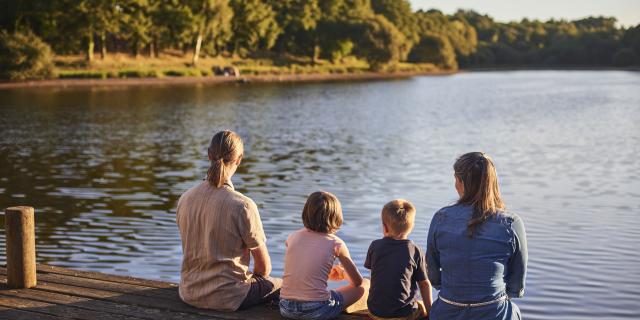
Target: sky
626	11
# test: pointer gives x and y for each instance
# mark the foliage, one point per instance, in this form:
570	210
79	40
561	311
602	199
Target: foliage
436	49
380	42
625	57
462	37
173	21
399	13
24	56
382	32
254	25
137	24
631	39
298	20
212	19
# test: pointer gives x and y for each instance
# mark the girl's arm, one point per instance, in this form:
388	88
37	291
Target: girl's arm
353	275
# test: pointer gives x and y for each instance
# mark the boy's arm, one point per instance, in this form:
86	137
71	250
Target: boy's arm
353	275
425	292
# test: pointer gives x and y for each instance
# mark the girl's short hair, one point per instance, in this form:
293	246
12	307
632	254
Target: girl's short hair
322	212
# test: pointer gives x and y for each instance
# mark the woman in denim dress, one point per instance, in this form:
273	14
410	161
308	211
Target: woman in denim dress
476	251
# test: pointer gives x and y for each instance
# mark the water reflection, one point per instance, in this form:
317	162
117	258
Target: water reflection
104	168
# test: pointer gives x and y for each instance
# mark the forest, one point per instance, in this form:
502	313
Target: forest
380	32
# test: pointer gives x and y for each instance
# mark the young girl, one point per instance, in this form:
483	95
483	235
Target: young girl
309	259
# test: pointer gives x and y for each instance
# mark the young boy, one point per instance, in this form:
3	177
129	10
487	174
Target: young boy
397	267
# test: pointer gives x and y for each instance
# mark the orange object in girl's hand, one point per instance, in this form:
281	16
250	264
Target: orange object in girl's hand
337	273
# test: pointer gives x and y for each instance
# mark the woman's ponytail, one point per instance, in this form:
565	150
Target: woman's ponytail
481	191
225	148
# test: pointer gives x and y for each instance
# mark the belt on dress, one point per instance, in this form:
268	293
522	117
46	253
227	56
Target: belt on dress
471	305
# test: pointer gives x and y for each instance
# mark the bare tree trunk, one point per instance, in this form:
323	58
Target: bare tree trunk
152	49
90	47
103	43
136	49
315	54
196	52
156	47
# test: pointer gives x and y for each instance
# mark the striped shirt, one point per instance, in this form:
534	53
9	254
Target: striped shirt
218	227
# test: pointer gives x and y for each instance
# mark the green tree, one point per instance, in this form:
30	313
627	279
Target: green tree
378	41
625	57
137	24
399	13
631	39
484	25
434	48
213	20
460	33
172	24
88	18
254	25
24	56
298	20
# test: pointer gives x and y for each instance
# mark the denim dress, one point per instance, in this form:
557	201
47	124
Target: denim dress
490	265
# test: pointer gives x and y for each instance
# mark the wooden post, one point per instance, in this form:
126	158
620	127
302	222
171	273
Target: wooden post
21	247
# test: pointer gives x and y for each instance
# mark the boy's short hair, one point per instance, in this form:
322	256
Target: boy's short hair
398	215
322	212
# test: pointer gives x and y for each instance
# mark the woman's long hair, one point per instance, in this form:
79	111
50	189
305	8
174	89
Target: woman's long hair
481	191
225	148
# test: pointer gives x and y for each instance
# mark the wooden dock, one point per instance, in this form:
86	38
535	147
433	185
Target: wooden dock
69	294
31	292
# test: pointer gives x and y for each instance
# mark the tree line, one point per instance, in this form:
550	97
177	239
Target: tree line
382	32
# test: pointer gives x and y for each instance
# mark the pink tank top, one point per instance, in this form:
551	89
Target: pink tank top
307	263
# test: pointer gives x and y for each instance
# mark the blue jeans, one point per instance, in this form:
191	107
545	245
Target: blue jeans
313	310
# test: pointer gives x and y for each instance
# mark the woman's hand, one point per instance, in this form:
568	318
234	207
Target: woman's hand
337	273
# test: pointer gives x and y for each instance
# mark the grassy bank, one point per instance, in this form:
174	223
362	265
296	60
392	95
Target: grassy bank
124	66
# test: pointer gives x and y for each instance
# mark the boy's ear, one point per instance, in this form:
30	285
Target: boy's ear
385	229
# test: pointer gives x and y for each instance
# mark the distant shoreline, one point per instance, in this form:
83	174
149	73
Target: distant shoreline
284	78
552	68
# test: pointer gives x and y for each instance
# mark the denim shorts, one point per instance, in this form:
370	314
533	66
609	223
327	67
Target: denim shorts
313	310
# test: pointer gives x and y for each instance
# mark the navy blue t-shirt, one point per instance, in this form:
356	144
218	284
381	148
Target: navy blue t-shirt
396	268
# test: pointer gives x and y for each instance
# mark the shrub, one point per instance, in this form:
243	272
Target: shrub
378	41
187	72
81	74
436	49
625	58
24	56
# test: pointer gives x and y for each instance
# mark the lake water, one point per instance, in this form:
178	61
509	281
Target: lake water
104	168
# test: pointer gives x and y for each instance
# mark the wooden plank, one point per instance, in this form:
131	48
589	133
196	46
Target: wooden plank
158	293
17	314
98	305
63	311
159	298
105	277
42	268
176	305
